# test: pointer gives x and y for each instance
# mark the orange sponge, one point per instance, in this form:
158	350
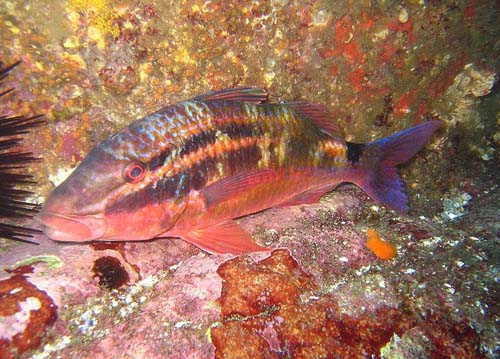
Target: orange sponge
378	246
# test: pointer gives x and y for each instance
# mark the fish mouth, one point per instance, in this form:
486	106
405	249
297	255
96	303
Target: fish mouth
71	228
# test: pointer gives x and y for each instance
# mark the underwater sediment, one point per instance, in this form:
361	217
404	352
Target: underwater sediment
378	67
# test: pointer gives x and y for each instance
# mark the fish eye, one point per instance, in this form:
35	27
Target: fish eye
134	172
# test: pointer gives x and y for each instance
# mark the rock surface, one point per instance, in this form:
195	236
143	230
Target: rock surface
379	67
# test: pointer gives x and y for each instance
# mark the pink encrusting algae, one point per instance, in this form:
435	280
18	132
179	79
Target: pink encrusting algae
378	66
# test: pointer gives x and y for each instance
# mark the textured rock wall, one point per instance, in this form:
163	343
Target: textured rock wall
379	66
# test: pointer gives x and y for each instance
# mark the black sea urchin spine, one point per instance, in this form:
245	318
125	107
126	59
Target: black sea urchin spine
12	163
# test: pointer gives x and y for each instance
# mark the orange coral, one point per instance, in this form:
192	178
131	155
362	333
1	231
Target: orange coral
378	246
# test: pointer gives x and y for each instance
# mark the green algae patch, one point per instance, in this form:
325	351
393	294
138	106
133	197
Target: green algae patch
53	262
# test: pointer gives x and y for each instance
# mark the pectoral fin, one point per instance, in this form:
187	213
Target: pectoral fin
233	186
225	237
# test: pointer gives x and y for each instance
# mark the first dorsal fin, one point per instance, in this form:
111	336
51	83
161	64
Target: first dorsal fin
318	115
243	94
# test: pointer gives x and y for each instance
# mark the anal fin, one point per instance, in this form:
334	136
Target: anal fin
225	237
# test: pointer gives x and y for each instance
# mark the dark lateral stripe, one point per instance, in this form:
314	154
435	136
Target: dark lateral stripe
241	160
354	151
158	160
232	130
154	193
193	178
133	201
195	142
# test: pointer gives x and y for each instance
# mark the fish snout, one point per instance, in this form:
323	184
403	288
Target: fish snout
72	229
62	224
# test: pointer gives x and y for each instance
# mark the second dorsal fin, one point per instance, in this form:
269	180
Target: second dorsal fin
318	115
243	94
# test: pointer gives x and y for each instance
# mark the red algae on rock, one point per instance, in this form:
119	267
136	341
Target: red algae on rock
25	314
270	310
252	281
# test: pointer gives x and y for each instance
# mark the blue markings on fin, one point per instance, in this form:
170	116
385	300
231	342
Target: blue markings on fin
380	158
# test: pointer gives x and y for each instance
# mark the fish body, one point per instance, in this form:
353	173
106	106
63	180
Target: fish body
191	168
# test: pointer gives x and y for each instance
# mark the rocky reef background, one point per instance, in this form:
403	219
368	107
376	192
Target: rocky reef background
379	66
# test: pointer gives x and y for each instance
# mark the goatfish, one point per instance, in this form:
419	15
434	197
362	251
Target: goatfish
190	169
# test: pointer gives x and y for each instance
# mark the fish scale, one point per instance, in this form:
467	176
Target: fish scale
190	169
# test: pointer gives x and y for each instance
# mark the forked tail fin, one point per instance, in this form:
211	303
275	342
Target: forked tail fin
375	163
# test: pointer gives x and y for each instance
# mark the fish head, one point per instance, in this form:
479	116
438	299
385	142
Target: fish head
112	195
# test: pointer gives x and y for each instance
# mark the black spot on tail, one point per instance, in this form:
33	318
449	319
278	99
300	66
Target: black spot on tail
354	151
